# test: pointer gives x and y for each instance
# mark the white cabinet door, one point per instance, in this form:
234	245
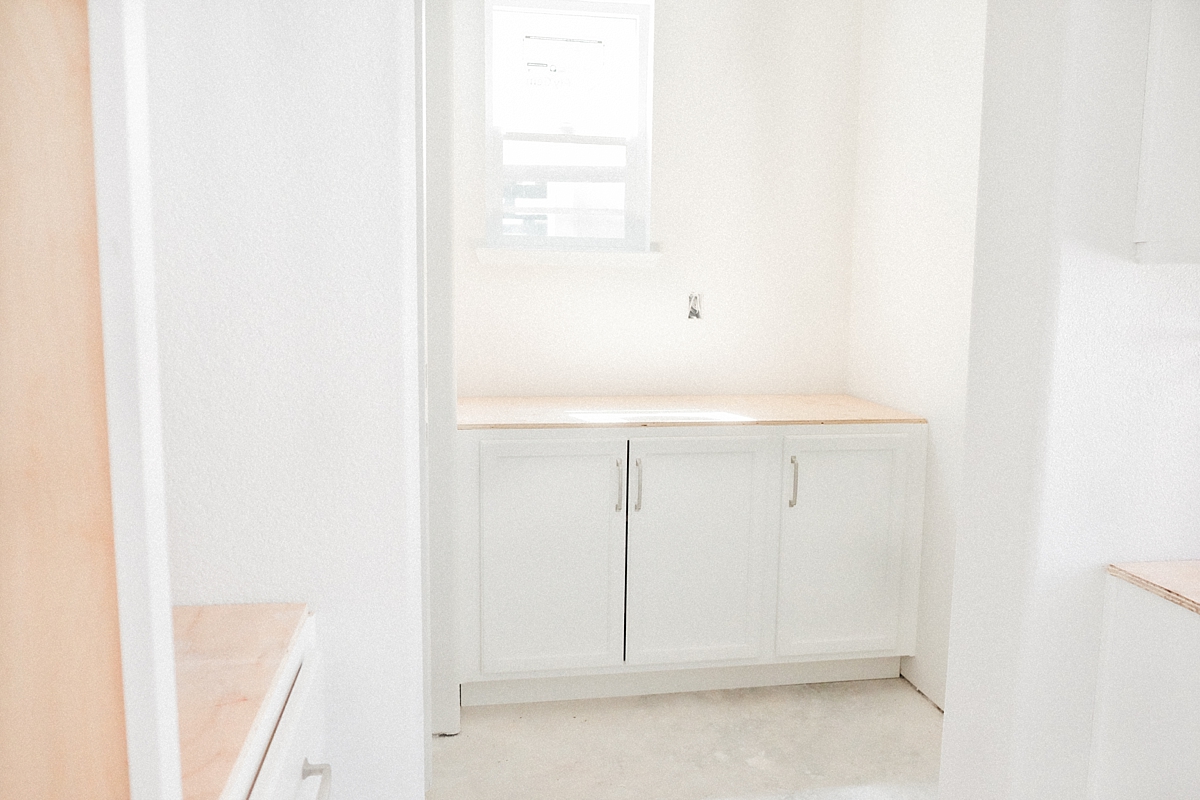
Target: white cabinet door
299	739
698	522
841	544
1147	719
552	553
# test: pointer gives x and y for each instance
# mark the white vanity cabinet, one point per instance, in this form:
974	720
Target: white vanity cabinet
842	545
698	534
251	711
1147	718
288	771
551	553
593	551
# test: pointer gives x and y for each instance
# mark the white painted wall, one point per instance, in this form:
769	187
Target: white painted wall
753	190
283	148
914	250
1083	425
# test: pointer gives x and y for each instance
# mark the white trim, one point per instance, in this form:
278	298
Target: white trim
585	687
441	393
411	624
121	130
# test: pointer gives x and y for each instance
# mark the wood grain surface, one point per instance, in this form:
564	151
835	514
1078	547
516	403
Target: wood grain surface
1177	581
228	659
583	412
62	724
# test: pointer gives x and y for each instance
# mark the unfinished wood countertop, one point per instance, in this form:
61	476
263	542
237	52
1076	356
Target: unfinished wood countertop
1177	581
633	412
234	668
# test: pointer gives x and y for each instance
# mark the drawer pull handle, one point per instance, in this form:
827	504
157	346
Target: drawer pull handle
620	484
638	505
326	773
795	483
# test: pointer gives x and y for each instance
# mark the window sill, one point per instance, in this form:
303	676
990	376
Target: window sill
512	257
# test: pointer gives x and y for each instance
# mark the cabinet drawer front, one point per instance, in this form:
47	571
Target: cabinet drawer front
298	736
696	545
841	544
552	554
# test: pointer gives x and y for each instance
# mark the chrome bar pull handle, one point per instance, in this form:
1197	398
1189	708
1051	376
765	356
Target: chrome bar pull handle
620	484
638	505
323	770
795	483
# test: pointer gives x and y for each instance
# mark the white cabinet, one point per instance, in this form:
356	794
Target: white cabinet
600	557
250	700
552	553
287	771
1147	718
841	546
697	536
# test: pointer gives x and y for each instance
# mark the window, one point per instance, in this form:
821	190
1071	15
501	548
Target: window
568	117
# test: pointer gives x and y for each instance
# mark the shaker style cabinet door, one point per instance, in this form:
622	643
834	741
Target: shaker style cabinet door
841	544
299	740
698	523
552	554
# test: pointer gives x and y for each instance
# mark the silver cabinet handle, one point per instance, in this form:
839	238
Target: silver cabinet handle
638	505
795	482
326	773
620	484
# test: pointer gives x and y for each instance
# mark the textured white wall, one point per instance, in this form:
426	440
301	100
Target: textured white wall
753	190
283	155
1083	425
914	253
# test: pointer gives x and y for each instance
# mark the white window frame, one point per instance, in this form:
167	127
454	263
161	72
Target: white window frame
636	172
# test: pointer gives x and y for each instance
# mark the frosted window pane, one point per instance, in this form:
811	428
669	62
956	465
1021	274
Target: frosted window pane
555	72
560	154
586	195
586	226
568	195
566	209
566	225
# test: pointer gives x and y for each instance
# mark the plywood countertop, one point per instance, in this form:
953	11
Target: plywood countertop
234	667
1177	581
626	412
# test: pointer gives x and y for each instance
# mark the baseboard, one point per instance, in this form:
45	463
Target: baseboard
531	690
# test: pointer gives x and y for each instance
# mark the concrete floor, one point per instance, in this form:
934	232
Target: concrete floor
866	740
